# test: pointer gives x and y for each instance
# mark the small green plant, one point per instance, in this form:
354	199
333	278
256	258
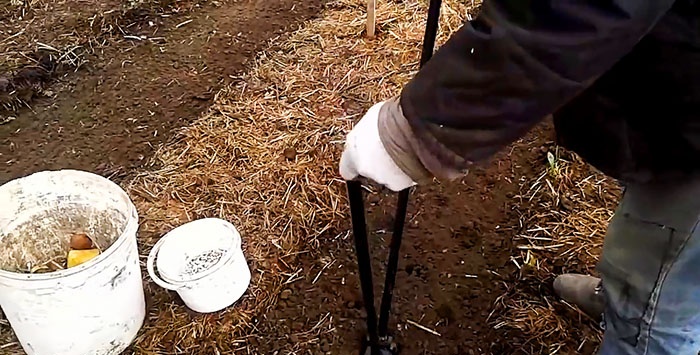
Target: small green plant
553	162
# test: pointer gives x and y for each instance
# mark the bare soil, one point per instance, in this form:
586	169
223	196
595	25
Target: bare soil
454	264
127	99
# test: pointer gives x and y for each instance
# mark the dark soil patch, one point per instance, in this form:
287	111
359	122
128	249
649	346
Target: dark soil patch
455	263
111	115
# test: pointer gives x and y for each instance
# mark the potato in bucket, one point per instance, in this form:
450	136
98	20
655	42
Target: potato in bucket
95	307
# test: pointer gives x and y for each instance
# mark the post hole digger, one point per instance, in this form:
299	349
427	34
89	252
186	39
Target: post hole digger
378	340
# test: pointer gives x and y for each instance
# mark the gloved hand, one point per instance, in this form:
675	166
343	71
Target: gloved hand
366	156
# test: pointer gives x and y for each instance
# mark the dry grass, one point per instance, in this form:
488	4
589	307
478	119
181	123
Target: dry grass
564	214
265	157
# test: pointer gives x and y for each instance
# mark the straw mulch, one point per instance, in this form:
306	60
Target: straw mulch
265	158
564	213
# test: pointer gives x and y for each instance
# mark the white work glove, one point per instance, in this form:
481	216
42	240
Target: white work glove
366	156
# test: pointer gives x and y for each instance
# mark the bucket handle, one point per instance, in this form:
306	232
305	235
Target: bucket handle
152	272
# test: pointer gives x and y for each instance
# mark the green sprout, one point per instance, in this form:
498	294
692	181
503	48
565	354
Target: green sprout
553	164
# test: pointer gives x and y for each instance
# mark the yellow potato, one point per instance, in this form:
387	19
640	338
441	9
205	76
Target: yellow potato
77	257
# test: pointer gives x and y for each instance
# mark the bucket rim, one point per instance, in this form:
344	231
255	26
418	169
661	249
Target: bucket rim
131	225
181	282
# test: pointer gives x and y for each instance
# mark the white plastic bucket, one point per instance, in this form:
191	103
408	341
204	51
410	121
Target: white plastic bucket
203	261
95	308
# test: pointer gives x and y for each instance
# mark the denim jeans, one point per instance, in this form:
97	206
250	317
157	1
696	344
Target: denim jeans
650	269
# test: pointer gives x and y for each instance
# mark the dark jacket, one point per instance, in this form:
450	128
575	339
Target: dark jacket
621	77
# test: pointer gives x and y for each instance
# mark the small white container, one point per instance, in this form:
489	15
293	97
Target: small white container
203	262
95	308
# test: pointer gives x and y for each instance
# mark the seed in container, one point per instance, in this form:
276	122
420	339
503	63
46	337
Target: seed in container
80	241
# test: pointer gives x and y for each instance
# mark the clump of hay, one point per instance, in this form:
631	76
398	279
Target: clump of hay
564	213
265	158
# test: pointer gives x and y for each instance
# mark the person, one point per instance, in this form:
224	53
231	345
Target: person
621	79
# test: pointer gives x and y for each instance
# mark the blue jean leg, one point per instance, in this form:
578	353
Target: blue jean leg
650	269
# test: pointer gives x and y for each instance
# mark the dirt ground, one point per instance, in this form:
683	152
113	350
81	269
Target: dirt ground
130	95
456	261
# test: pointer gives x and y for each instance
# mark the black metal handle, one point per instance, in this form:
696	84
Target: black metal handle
393	264
364	262
376	329
431	28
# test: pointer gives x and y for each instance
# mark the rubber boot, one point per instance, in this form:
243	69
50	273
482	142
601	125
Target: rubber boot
583	291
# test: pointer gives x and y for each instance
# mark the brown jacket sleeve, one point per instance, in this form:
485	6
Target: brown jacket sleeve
499	75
